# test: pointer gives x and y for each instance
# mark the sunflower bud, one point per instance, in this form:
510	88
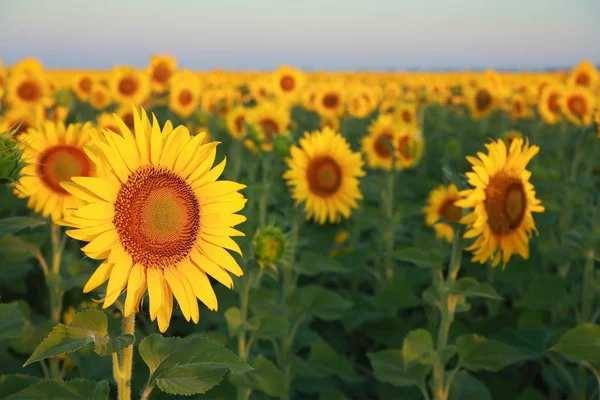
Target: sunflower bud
281	145
10	158
269	246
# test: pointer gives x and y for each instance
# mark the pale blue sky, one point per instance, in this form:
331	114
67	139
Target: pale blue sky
321	34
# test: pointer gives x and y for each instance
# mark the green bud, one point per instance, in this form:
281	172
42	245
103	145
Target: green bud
11	162
281	145
270	244
64	99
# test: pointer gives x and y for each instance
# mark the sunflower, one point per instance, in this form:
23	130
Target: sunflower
309	97
549	104
324	175
99	96
407	114
82	85
585	75
519	109
377	152
128	85
409	146
577	104
158	218
329	102
19	120
160	71
482	101
332	123
358	107
261	89
106	121
53	153
236	122
502	201
184	98
26	89
288	82
510	136
271	119
441	204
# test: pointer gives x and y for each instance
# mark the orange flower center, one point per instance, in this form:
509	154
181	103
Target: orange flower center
406	116
577	105
61	163
29	91
324	176
331	100
161	73
381	147
553	105
583	79
239	123
128	86
505	203
128	120
483	99
269	127
288	83
185	98
448	210
157	217
85	84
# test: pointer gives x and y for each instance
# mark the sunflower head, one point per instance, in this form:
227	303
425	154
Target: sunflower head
584	75
324	175
82	85
269	246
184	97
482	101
549	104
578	104
128	85
440	204
161	69
288	82
270	120
157	217
236	121
500	202
27	89
378	146
100	96
409	145
406	113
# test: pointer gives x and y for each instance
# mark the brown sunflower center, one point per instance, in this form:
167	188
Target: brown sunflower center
239	123
406	116
29	91
381	148
449	211
577	105
483	99
404	147
324	176
157	217
128	86
505	203
331	100
288	83
61	163
85	84
269	127
518	107
553	105
128	120
185	98
161	73
99	97
583	79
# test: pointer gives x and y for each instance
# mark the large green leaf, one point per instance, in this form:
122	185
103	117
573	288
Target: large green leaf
388	367
12	225
76	389
466	387
545	293
421	259
90	326
317	301
265	376
471	288
325	356
477	353
186	366
581	343
11	321
418	346
11	384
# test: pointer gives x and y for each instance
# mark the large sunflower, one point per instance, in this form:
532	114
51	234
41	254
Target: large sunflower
578	104
441	204
519	109
324	175
376	151
158	218
549	104
161	70
502	201
54	153
128	85
407	113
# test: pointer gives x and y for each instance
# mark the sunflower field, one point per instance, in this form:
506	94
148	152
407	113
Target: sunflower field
170	234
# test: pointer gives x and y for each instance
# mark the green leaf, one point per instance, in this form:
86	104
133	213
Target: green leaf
313	264
545	293
186	366
11	321
15	224
113	345
419	258
76	389
466	387
471	288
325	356
400	294
477	353
234	320
11	384
581	343
418	346
388	367
265	377
317	301
14	246
90	326
269	327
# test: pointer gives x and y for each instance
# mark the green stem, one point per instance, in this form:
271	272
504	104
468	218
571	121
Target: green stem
389	236
147	392
122	371
263	200
243	350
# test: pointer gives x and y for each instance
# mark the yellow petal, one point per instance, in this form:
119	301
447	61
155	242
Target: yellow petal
99	187
155	291
136	287
100	275
116	283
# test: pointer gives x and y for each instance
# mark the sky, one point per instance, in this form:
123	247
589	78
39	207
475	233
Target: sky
309	34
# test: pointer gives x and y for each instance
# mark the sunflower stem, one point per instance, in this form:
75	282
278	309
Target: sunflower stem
122	371
263	200
243	350
389	233
147	392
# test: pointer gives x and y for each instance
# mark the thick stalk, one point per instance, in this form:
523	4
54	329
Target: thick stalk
52	276
123	373
389	233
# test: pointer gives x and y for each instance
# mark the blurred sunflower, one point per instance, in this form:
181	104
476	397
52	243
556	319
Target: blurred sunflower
324	175
549	104
129	86
26	89
106	121
481	101
376	151
270	119
309	97
160	70
407	113
440	203
236	122
585	75
358	107
54	153
288	82
332	123
19	120
578	104
82	85
519	109
408	145
54	114
329	102
511	135
99	96
158	218
184	98
502	200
